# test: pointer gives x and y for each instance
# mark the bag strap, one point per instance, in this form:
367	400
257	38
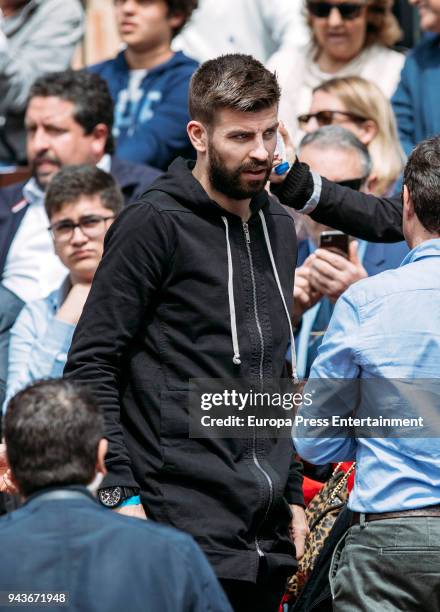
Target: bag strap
343	480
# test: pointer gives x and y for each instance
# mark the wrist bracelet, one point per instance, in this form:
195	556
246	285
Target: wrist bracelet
131	501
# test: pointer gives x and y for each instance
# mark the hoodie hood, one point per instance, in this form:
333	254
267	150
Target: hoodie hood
180	183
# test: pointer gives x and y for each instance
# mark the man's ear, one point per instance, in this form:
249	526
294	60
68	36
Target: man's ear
100	134
408	206
198	135
176	20
100	456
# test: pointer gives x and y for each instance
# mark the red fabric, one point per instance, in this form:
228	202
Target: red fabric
312	487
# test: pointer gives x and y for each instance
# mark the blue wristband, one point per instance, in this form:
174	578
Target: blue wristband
131	501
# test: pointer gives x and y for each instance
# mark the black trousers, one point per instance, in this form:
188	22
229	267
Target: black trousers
265	595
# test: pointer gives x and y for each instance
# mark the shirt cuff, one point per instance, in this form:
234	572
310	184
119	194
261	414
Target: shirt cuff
313	202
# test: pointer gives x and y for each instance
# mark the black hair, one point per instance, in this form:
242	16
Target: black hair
52	430
87	91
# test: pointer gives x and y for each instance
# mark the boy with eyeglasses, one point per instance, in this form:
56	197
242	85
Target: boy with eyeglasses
81	204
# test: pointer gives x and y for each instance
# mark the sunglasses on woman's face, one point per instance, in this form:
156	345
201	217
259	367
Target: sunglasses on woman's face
347	10
326	117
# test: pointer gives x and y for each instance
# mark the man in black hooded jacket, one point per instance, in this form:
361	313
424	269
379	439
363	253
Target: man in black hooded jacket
196	281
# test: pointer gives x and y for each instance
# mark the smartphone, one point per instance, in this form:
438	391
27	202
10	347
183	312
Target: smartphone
334	241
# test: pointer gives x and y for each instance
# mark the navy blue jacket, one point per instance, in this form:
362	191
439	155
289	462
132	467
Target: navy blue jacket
151	127
102	560
132	179
416	102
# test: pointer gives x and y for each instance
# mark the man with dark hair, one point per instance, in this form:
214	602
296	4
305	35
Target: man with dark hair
36	37
68	121
81	204
149	82
197	282
62	542
385	330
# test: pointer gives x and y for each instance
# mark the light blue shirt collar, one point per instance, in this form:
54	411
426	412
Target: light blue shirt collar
429	248
32	192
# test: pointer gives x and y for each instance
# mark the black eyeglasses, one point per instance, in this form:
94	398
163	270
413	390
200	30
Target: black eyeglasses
355	183
326	117
91	226
347	10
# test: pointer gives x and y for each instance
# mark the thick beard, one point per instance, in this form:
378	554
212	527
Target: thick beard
229	182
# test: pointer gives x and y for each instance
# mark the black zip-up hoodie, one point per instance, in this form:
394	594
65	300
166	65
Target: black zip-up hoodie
158	314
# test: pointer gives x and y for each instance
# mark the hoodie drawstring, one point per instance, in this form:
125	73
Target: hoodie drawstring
236	358
277	279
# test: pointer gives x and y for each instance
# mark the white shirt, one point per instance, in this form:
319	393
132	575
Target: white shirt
32	269
255	27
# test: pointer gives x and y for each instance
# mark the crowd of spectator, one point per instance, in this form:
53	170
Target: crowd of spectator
171	228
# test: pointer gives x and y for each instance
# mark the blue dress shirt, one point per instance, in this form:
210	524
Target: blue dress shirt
39	342
383	327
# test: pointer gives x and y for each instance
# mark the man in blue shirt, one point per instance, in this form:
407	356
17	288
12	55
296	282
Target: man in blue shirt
387	327
81	204
149	82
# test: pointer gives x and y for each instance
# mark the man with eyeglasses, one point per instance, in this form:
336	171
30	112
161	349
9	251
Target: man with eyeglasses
323	275
81	204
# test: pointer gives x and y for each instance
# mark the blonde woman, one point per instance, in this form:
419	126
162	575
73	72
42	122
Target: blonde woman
348	38
359	106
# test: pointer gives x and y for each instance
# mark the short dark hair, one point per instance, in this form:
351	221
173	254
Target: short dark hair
87	91
73	182
181	7
52	430
235	81
422	179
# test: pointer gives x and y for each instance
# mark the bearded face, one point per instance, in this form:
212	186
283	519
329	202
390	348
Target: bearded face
237	182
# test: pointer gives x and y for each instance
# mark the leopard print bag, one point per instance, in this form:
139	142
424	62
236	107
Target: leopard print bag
321	514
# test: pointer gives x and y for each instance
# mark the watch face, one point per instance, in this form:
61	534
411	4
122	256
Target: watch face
110	497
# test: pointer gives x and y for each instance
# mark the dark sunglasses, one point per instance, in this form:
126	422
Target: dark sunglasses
326	117
347	10
355	183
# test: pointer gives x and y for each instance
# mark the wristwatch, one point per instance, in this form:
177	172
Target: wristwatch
111	497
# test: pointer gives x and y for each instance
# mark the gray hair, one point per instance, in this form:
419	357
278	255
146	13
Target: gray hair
337	137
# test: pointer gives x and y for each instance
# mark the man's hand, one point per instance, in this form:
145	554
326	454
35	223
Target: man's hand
289	157
137	511
304	295
331	274
299	529
6	484
73	305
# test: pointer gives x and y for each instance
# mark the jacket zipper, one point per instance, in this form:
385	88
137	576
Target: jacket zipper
260	333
